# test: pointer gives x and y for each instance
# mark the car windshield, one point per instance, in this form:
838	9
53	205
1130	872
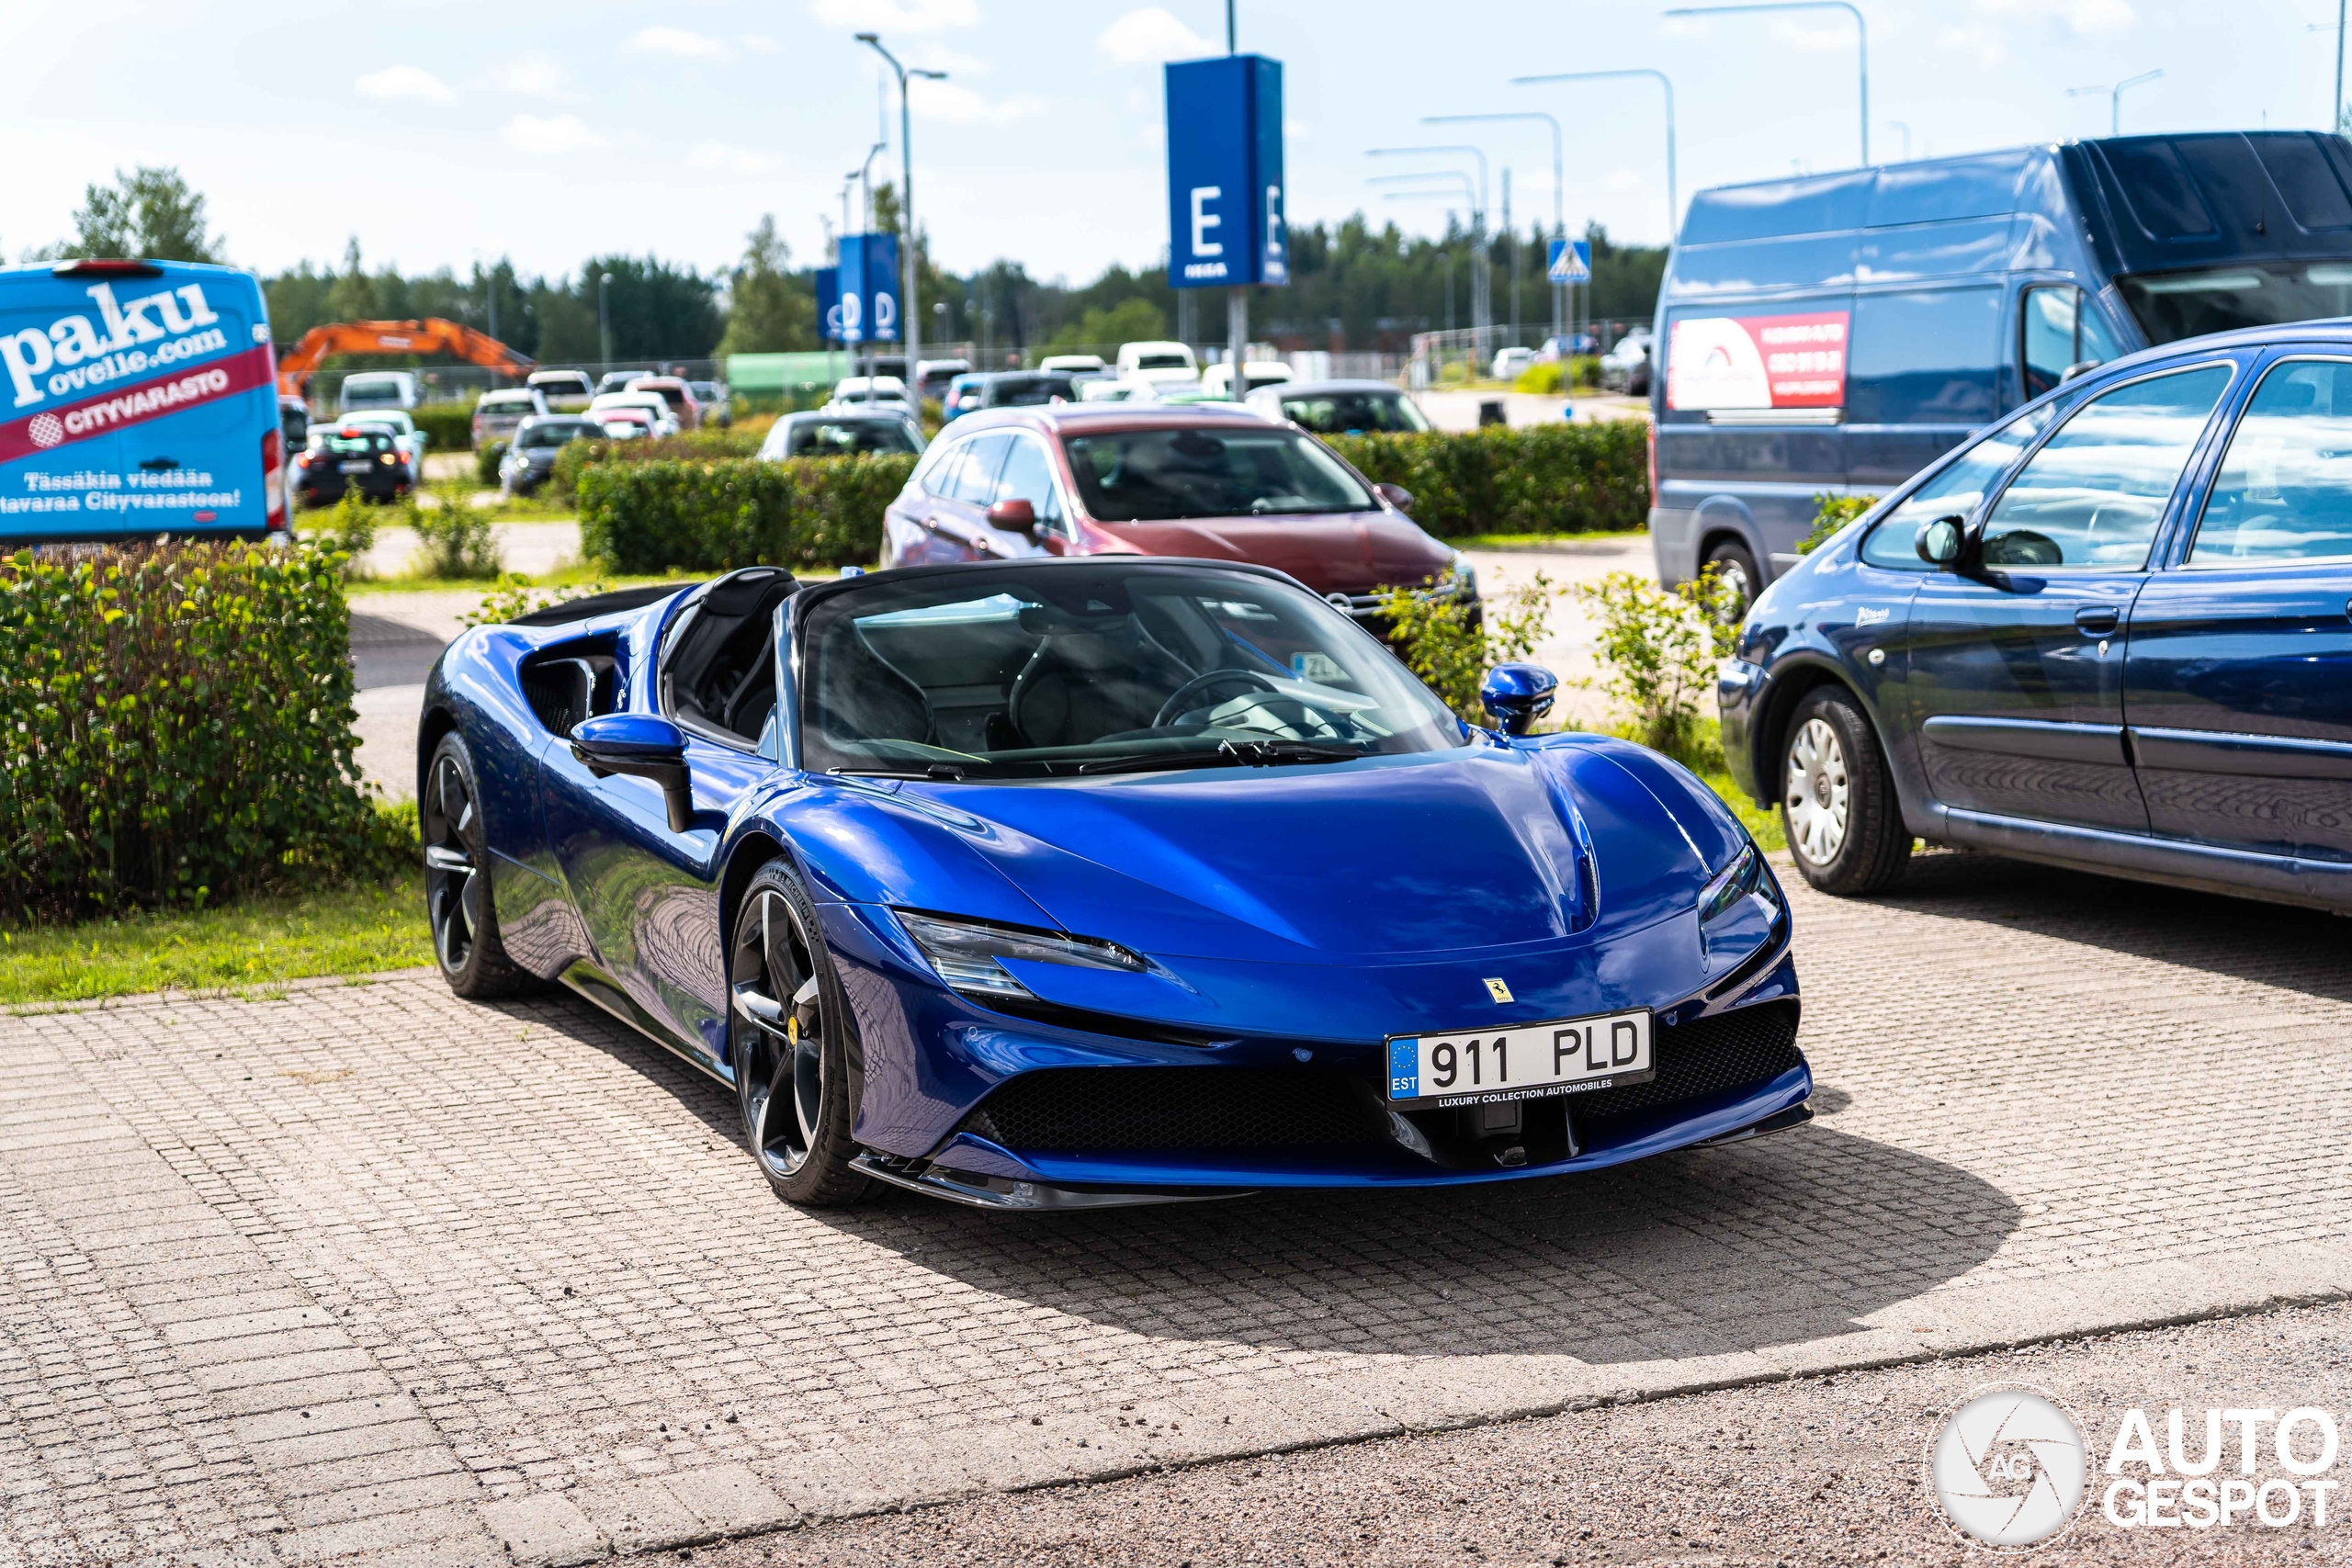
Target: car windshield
354	444
1068	668
1028	391
2175	305
1158	474
553	433
1344	413
1162	362
389	419
843	437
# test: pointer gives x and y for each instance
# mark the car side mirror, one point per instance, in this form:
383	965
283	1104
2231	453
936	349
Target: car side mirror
1015	516
642	746
1516	696
1396	496
1940	542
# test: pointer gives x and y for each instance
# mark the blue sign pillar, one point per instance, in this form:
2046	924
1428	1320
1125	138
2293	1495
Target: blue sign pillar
829	303
1225	215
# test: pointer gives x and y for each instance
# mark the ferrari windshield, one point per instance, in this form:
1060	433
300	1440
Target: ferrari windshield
1067	668
1229	470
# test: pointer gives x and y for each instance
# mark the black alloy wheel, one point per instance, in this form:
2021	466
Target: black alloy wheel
1736	569
456	879
788	1038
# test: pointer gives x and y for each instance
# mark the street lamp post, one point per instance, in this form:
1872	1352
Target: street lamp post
909	308
1469	193
2114	97
604	321
1673	206
1861	33
1559	178
1481	295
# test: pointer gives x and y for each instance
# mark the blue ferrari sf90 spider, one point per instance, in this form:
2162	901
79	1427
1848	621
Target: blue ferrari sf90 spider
1060	881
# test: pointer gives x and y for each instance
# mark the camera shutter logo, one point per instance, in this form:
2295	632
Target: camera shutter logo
2008	1466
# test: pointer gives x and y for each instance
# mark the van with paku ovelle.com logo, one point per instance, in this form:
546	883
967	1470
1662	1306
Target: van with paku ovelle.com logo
136	399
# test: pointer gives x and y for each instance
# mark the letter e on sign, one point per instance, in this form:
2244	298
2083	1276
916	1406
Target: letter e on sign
1204	221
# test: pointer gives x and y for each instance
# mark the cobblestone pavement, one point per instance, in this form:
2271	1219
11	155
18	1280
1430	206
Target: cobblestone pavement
368	1270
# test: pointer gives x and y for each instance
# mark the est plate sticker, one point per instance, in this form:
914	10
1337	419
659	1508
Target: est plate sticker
1526	1062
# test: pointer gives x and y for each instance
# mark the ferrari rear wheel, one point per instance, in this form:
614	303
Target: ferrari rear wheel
1838	802
458	905
788	1039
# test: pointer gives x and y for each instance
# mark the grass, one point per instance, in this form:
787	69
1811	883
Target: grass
240	948
1541	541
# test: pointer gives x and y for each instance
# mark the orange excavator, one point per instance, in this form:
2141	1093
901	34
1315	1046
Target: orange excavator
431	335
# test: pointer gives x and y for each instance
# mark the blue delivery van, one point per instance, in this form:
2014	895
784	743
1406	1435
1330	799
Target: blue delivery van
1837	332
136	399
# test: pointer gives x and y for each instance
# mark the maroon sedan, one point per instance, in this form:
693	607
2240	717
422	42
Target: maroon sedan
1209	483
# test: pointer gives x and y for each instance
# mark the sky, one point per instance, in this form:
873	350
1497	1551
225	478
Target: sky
443	133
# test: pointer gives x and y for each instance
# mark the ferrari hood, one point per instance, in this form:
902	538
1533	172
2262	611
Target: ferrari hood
1422	856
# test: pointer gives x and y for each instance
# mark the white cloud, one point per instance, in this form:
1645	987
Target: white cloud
757	43
1985	44
2075	18
1816	38
748	162
678	43
554	133
960	105
896	16
405	82
1151	36
534	76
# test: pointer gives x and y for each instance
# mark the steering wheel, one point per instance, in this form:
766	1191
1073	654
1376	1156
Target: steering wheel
1174	705
2023	546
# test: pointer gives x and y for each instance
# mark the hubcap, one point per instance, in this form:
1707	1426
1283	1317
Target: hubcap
454	891
1816	797
780	1029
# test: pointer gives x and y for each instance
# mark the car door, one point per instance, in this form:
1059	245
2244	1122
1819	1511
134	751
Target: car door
1028	475
2238	680
953	513
2016	662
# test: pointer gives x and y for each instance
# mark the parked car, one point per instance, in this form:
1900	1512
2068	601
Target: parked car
1017	389
1569	345
863	391
652	405
496	414
2110	632
411	440
840	435
1216	380
717	408
673	391
617	380
933	377
1072	364
370	390
1983	280
626	424
1627	367
566	391
1158	362
1208	480
1510	362
1046	884
951	403
1339	407
351	455
1113	389
538	441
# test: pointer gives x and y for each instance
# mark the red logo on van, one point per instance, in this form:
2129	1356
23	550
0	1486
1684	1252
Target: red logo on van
1758	362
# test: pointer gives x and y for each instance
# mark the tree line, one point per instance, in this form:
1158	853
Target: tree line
1352	286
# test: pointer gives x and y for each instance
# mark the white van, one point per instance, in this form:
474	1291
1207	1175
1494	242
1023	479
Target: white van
1218	380
1158	362
376	389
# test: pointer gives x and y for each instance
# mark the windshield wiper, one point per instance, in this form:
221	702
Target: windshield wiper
1230	753
945	772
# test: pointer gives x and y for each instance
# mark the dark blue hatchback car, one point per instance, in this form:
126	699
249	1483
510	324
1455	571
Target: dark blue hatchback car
2112	631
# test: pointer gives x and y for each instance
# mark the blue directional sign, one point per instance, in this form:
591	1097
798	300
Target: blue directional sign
1571	261
1224	172
869	289
829	303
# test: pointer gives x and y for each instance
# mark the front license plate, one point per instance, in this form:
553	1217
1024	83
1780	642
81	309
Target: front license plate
356	467
1529	1061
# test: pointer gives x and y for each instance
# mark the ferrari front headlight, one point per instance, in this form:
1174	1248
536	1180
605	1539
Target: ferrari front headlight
1731	884
966	953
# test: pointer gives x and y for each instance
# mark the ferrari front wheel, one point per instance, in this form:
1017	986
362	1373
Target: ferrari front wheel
458	907
788	1038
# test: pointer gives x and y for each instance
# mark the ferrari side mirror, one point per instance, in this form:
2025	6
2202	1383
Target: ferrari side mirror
1516	696
642	746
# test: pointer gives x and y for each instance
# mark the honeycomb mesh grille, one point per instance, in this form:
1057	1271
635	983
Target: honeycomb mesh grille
1735	1050
1092	1108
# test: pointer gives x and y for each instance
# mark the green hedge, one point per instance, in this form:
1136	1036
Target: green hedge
1545	478
174	728
664	515
448	427
564	483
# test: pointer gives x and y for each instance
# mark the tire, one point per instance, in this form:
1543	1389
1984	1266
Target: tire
458	902
1732	562
789	1037
1838	802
